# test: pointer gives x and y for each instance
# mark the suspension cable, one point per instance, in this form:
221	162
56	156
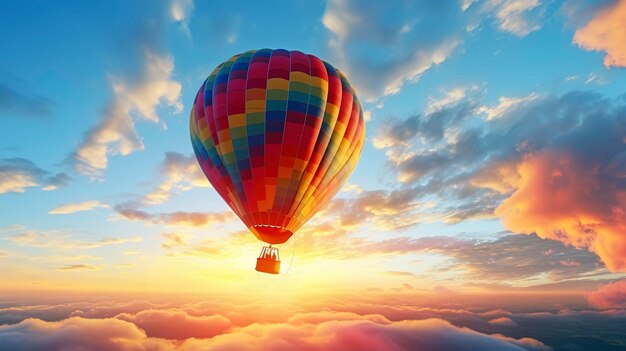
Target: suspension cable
293	253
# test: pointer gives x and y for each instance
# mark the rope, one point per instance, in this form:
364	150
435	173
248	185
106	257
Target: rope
293	253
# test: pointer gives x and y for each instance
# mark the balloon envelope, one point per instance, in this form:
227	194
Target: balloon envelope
277	133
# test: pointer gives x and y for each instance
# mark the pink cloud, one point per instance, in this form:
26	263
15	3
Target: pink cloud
77	334
325	330
176	324
363	334
606	31
609	296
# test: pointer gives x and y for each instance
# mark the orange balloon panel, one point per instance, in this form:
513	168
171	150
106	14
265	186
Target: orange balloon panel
277	133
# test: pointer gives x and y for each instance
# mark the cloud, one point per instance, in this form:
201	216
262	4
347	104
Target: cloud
173	240
139	86
348	332
180	11
609	296
59	239
406	319
399	136
359	334
400	273
572	190
18	174
179	218
351	188
552	165
389	210
450	97
75	267
503	321
109	308
115	133
606	31
506	104
181	173
77	333
18	103
516	258
78	207
522	261
509	258
579	201
518	17
177	324
578	13
327	316
381	47
596	78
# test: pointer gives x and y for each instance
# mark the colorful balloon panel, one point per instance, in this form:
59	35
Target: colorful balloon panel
277	133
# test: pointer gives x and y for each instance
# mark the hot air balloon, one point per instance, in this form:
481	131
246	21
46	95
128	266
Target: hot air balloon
277	133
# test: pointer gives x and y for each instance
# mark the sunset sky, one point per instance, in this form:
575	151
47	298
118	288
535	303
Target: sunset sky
488	208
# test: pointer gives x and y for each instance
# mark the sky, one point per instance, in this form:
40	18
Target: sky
487	209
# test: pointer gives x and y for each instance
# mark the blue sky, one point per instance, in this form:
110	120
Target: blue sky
116	80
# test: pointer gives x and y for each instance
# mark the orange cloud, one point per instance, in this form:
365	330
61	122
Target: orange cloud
606	32
176	324
78	207
576	201
503	321
609	296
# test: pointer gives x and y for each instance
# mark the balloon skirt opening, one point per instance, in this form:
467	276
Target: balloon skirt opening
271	234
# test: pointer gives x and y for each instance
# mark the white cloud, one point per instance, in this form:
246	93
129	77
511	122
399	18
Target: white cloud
181	173
18	174
596	78
180	11
505	105
16	182
518	17
78	207
352	188
132	98
450	97
379	54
